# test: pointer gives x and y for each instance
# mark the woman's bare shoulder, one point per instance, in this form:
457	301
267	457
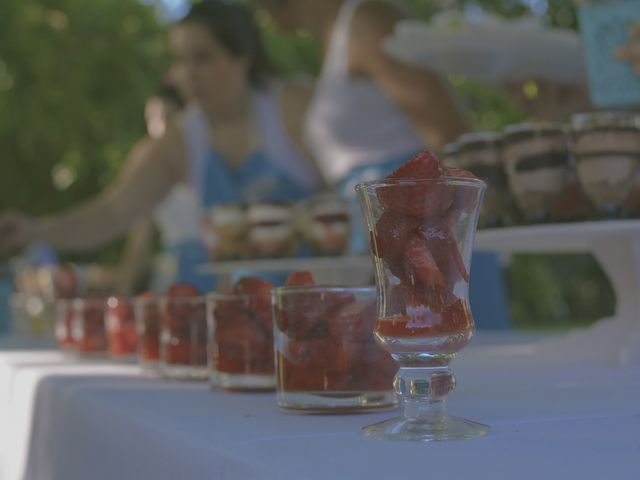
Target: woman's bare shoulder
374	18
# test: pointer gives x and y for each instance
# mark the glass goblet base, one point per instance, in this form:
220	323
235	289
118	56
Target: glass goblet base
447	428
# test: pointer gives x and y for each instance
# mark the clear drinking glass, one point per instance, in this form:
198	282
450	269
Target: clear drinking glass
122	335
421	235
147	315
241	341
183	338
64	318
327	360
87	326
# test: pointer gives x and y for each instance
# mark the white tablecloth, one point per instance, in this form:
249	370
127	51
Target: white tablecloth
69	420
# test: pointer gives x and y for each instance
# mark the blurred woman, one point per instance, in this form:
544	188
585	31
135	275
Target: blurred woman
175	217
370	113
366	107
237	131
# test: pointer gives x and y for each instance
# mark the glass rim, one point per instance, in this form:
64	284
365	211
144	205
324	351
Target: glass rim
146	300
78	302
323	288
166	299
235	296
443	180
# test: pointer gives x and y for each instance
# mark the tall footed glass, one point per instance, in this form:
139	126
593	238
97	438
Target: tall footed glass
421	236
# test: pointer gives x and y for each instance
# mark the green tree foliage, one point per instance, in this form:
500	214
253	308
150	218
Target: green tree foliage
74	75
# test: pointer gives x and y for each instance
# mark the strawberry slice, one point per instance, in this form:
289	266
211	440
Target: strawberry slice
421	262
423	165
183	290
457	172
392	232
457	317
300	279
444	248
253	286
418	200
353	322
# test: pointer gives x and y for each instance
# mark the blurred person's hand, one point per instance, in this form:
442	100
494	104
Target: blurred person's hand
631	51
16	230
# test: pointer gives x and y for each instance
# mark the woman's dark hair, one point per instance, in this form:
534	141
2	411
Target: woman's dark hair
234	27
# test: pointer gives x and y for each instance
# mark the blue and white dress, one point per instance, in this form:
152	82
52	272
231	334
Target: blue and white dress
276	171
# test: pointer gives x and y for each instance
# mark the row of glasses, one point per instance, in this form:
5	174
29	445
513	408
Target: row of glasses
336	349
319	341
326	358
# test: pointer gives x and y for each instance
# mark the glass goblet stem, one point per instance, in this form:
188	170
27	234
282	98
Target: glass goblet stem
423	391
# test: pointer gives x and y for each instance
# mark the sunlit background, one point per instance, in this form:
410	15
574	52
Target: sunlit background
74	76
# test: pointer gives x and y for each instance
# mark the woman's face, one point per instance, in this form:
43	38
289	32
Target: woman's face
204	71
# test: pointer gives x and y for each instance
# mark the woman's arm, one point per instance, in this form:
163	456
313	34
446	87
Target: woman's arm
152	167
295	98
135	257
422	94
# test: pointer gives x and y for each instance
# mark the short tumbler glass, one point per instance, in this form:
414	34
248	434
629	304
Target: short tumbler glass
183	338
148	319
327	360
241	341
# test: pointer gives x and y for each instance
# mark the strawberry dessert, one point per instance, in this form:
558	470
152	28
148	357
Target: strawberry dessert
325	343
87	325
147	315
243	335
184	332
64	318
416	238
122	335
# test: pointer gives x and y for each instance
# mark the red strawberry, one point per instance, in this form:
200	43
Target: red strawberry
300	279
253	286
391	234
422	264
183	290
443	246
353	322
457	172
423	165
259	292
422	200
457	318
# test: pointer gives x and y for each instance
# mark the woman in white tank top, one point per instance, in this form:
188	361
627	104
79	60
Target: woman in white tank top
366	108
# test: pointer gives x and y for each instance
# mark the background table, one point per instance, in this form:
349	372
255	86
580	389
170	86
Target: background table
550	418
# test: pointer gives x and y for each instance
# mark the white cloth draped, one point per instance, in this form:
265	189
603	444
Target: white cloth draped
65	419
